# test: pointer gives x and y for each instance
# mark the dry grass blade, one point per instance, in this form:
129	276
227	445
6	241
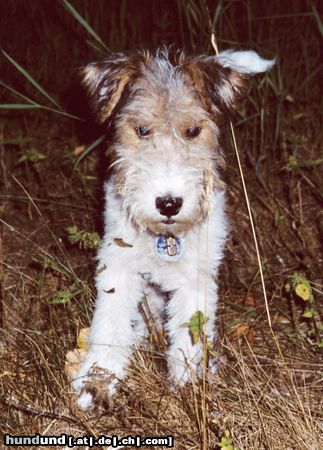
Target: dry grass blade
252	225
213	41
263	400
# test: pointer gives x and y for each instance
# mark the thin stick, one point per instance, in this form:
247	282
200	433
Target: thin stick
25	407
251	223
291	379
248	204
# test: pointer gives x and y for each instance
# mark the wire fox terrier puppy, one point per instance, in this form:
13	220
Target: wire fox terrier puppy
165	223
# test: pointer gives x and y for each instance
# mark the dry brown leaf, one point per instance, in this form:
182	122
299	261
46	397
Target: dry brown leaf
83	338
121	243
242	329
73	361
250	300
79	149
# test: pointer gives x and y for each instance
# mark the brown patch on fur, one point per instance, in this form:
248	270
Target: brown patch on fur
108	81
218	88
96	385
168	113
193	70
167	92
239	82
124	79
175	56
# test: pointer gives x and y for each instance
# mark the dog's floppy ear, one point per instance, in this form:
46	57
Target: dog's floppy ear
106	82
244	61
221	80
239	66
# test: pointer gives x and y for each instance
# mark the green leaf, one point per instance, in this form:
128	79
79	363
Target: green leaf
211	350
19	94
195	325
309	313
278	218
84	238
302	287
50	263
287	287
292	164
18	106
226	443
62	297
303	290
318	19
31	155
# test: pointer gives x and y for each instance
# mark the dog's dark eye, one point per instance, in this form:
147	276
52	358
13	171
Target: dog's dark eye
143	131
193	132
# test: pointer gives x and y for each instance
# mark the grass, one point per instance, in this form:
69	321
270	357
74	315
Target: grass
263	397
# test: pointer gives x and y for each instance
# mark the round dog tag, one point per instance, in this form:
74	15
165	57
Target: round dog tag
169	248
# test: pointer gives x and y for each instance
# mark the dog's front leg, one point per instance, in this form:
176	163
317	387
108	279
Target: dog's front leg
186	352
112	335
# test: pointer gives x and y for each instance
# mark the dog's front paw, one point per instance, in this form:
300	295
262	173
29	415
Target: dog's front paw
89	400
95	388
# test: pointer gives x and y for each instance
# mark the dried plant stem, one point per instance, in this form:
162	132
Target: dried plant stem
213	41
251	224
38	411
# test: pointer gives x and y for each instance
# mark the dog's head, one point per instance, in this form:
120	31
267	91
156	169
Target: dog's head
168	112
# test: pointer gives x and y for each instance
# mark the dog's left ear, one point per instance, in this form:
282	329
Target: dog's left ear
222	80
239	67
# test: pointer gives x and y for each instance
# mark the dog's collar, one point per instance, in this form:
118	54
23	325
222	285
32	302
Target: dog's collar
169	248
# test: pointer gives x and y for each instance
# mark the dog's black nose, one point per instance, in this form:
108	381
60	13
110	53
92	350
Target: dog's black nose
169	206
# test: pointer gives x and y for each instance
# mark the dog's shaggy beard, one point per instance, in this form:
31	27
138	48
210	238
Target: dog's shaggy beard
139	185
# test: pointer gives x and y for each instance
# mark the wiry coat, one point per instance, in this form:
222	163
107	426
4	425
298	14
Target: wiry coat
168	113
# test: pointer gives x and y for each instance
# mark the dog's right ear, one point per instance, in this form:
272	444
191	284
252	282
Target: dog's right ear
106	82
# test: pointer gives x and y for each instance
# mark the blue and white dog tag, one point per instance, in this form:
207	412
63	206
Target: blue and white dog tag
169	248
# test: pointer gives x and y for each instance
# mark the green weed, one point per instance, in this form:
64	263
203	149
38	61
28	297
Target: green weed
196	326
300	287
32	155
83	238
